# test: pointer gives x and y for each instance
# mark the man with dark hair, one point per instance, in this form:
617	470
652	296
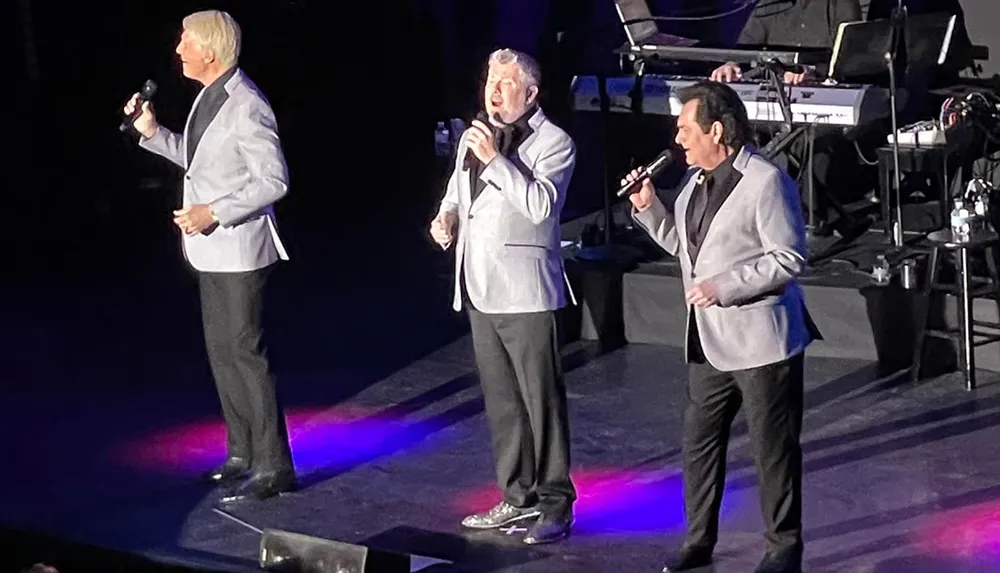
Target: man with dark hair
737	228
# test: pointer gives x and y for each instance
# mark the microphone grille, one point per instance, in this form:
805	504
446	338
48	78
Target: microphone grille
148	89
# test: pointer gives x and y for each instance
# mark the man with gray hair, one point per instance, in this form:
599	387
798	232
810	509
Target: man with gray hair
501	211
234	172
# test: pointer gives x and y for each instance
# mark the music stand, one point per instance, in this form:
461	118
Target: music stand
869	48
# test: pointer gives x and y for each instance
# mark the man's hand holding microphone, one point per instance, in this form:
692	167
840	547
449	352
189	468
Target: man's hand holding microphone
145	123
642	198
480	142
703	294
191	219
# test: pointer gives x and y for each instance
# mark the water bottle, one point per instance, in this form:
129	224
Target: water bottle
960	220
442	140
908	274
880	270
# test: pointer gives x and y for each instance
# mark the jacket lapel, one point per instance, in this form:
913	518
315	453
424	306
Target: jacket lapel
187	126
680	215
739	165
536	120
464	179
233	81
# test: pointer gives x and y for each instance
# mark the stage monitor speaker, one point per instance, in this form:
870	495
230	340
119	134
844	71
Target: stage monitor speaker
287	552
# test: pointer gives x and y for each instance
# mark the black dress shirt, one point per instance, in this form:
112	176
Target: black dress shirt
508	139
710	192
799	24
208	106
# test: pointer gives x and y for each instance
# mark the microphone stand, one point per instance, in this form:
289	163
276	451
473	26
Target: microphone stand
788	131
605	120
898	20
608	251
635	94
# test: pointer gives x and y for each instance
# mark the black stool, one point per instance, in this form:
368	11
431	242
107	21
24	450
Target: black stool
965	335
932	160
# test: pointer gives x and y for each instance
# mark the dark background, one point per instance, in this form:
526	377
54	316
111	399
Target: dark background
356	111
356	97
100	335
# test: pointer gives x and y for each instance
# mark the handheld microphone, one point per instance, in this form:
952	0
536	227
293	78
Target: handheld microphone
145	94
662	160
470	158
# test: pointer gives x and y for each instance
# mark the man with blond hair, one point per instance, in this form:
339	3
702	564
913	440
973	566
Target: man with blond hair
501	211
234	172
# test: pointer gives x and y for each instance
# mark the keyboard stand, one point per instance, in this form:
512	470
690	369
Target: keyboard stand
780	143
788	134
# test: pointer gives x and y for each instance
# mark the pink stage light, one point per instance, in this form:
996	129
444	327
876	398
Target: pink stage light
322	438
969	532
615	501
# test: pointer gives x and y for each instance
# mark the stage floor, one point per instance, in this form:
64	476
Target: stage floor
899	477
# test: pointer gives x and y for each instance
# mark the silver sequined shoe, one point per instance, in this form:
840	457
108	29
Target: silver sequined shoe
500	515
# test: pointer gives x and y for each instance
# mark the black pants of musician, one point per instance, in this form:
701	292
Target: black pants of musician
232	316
773	396
521	377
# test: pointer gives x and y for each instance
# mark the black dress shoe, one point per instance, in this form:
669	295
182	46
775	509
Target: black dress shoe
549	528
688	558
232	468
262	485
789	561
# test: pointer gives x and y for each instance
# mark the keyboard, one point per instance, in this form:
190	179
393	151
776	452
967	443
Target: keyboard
847	105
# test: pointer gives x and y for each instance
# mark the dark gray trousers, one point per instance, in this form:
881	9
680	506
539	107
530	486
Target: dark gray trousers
522	383
232	307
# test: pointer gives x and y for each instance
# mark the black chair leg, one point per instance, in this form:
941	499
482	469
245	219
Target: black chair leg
927	290
967	350
991	265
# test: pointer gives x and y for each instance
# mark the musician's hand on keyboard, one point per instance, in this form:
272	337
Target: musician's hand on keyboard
481	141
794	79
642	198
728	72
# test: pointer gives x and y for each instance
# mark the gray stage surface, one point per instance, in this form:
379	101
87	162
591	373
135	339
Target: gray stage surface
899	476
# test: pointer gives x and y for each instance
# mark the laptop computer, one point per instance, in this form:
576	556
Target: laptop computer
645	33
